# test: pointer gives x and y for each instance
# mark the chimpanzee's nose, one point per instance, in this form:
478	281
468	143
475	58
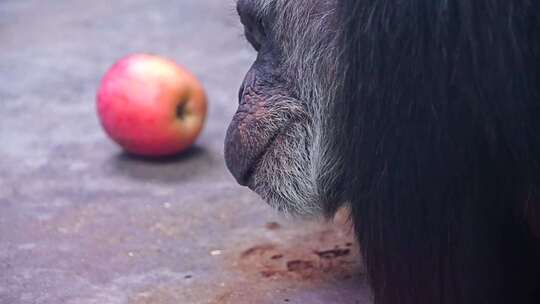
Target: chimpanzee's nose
241	92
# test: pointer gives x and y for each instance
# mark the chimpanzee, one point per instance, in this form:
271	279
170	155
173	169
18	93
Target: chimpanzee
420	116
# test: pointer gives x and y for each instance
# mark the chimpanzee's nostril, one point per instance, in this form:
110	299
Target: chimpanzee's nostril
241	93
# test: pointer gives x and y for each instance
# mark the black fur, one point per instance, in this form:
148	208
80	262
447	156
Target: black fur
441	100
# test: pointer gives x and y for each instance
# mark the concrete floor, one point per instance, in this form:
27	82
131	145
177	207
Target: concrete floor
81	222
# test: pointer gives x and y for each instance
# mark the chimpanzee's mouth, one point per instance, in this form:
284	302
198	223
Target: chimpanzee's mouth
243	159
258	122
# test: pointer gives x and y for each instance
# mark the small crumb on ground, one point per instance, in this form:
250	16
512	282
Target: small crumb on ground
215	252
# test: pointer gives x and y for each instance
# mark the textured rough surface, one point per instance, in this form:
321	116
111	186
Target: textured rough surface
81	222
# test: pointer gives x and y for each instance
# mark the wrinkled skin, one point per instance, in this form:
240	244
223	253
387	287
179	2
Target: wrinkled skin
271	145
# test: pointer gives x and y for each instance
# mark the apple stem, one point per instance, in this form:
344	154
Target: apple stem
181	109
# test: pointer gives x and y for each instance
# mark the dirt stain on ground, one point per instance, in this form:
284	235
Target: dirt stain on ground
324	252
272	268
258	250
273	226
305	263
312	258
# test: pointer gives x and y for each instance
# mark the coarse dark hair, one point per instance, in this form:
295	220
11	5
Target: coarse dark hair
441	102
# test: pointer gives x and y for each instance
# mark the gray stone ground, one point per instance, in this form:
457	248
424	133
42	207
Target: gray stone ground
81	222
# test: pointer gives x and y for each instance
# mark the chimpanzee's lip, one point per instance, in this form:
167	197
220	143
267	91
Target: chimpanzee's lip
242	160
247	176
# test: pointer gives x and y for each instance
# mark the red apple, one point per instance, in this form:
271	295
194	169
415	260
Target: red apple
151	106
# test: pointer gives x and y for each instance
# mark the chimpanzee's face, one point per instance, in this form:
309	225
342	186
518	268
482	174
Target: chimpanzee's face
276	142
